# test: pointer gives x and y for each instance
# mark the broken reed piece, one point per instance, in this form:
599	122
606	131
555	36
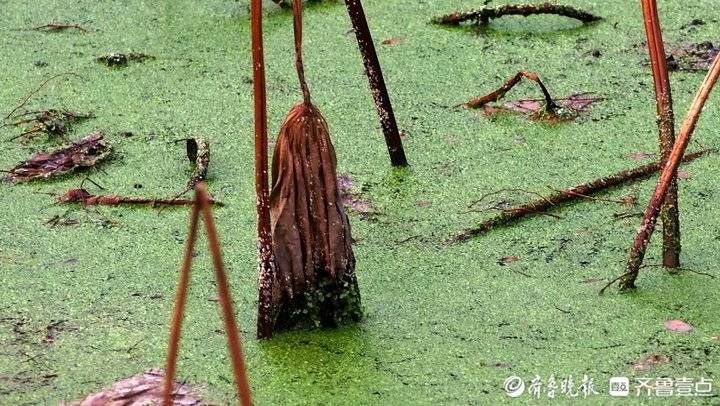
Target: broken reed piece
496	95
670	214
266	261
485	14
315	281
202	206
81	154
377	83
85	198
669	173
576	192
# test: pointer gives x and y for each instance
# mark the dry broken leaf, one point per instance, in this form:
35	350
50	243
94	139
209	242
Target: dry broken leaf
683	174
692	56
140	390
507	260
641	156
570	107
351	200
650	361
83	153
393	41
678	326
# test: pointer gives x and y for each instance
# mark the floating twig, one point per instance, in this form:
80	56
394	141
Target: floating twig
669	173
81	154
670	213
85	198
25	100
545	203
55	27
485	14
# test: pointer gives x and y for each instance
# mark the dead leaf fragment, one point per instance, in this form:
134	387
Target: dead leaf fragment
650	361
393	41
142	389
641	156
83	153
507	260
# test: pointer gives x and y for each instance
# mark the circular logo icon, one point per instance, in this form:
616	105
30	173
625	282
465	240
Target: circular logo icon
514	386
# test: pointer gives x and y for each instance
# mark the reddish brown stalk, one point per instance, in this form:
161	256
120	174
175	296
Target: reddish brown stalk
85	198
496	95
577	192
179	310
265	249
666	123
669	173
377	83
202	206
234	346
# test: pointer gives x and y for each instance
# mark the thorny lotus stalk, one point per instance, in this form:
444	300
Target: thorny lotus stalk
669	215
179	310
561	196
642	238
266	265
202	206
377	83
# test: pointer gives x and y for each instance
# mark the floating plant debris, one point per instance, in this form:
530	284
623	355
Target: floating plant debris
118	59
54	123
692	57
546	109
84	197
81	154
544	203
198	152
483	15
57	27
142	389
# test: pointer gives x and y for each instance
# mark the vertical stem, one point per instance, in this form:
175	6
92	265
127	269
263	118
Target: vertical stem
670	213
236	356
642	238
377	83
265	249
297	31
179	310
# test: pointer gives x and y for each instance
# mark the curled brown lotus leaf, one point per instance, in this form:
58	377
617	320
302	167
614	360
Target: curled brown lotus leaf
315	264
83	153
141	389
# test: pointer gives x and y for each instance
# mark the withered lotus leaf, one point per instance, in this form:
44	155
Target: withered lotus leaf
141	389
83	153
315	280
